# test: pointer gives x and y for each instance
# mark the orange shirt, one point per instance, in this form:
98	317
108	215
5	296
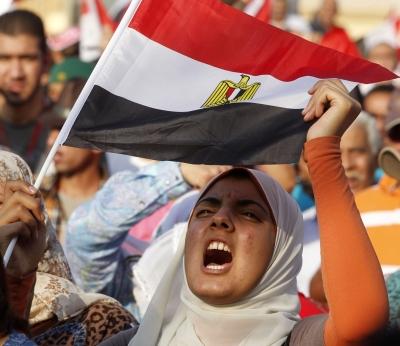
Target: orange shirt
379	206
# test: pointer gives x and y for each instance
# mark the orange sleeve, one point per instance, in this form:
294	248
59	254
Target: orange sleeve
353	280
20	294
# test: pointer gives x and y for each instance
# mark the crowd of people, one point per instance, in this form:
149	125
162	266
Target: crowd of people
118	250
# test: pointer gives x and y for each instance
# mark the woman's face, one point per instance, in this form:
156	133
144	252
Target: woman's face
230	241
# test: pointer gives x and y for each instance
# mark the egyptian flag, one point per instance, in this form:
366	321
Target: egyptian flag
200	82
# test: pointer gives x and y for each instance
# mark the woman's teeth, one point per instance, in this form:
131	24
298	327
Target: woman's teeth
218	245
215	266
218	255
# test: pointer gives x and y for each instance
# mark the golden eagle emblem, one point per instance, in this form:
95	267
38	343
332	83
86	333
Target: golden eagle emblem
231	92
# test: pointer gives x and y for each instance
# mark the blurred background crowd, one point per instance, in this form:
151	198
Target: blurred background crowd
86	195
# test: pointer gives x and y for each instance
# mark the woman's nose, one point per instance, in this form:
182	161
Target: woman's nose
222	220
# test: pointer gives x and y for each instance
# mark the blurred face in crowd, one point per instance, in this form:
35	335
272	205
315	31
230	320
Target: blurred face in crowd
230	241
278	10
69	160
55	90
358	160
21	67
377	105
327	13
357	157
383	54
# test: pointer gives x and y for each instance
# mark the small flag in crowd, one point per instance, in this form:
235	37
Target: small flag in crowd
198	81
93	19
260	9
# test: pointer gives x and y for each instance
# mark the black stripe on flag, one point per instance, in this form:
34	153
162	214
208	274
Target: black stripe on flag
240	134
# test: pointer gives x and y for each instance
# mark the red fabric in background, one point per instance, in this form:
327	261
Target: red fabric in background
308	307
337	38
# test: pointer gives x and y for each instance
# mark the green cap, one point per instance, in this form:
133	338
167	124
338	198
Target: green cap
70	68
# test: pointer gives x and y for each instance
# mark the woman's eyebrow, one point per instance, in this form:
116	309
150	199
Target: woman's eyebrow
247	202
209	200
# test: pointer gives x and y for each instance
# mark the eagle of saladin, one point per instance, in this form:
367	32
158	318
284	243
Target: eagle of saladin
225	93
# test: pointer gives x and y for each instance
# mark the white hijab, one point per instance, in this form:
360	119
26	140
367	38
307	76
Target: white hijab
175	316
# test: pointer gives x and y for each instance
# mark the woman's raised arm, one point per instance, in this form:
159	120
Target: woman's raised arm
352	276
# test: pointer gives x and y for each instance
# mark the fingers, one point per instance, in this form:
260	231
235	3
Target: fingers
212	171
333	83
320	106
322	94
21	202
26	217
334	108
20	214
22	207
199	175
10	186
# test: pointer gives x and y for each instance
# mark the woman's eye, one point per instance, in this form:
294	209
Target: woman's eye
250	215
203	213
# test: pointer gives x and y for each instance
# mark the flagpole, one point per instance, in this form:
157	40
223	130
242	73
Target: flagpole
69	122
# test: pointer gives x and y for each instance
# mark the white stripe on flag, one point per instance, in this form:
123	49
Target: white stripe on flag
145	72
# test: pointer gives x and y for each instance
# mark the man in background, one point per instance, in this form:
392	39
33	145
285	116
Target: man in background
376	104
23	61
327	33
79	173
380	205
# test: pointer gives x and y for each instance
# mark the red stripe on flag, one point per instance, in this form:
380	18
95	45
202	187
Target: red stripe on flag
216	34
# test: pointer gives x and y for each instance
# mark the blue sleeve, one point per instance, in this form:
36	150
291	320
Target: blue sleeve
179	213
97	229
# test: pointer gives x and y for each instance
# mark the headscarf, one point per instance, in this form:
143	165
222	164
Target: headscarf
265	316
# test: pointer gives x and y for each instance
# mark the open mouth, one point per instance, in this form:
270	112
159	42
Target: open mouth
217	256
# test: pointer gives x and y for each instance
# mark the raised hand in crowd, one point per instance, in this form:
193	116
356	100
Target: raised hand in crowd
199	175
331	99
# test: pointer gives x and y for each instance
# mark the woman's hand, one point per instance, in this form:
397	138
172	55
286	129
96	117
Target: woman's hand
198	176
21	216
29	248
20	201
332	107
